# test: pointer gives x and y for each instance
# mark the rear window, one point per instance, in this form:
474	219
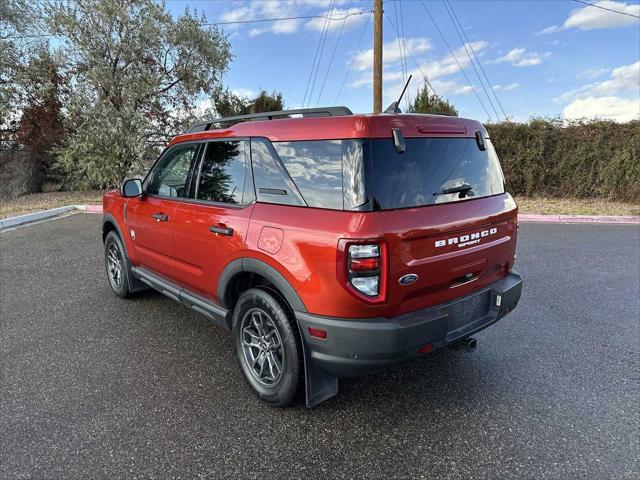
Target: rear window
431	166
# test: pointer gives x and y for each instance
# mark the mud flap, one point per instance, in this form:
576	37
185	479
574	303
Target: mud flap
319	386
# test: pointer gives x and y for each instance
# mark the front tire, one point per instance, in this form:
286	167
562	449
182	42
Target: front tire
267	346
116	265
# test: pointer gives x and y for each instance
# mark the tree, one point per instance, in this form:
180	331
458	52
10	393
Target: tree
267	103
426	102
136	74
19	26
40	128
229	104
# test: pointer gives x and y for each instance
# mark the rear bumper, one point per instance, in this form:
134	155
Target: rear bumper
359	346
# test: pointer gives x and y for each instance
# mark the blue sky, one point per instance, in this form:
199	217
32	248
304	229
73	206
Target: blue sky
542	57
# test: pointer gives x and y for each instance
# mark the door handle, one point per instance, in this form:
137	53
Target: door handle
221	230
160	217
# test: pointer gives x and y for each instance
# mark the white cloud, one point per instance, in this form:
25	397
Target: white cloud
551	29
450	87
520	57
624	79
591	18
604	108
436	70
392	53
506	88
260	9
617	98
244	92
336	19
592	73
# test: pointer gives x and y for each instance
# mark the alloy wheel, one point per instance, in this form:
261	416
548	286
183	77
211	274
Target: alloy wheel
262	347
114	265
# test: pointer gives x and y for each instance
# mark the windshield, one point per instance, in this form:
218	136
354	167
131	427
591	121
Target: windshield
432	171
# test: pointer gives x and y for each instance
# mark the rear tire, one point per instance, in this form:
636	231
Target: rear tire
267	346
116	265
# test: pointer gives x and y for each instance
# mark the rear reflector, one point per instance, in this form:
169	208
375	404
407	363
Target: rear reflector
426	348
316	332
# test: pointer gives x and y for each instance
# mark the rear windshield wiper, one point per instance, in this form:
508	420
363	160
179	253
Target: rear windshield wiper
461	189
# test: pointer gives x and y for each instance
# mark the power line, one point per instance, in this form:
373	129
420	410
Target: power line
478	60
464	45
324	81
402	70
424	76
313	65
237	22
324	41
608	9
404	52
353	56
456	60
329	17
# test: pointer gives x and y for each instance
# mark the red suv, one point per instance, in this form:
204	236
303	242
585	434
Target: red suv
330	244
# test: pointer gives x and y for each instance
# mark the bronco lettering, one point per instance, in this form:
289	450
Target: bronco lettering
466	240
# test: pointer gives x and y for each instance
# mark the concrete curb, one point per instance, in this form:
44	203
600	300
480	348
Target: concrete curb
534	218
46	214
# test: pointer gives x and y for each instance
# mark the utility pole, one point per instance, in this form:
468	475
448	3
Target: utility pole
377	56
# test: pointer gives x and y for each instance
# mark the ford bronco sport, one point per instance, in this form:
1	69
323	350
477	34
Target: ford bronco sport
330	244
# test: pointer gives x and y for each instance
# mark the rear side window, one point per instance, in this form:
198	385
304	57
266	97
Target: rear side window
223	174
316	168
272	182
328	173
429	168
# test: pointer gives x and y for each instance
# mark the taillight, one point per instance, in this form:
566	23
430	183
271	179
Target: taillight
366	265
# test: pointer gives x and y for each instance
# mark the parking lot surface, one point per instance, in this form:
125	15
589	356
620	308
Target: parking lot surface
95	386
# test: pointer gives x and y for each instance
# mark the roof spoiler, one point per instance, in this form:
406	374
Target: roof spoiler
305	112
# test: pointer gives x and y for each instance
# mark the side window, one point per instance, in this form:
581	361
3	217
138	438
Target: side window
223	174
171	176
273	184
316	168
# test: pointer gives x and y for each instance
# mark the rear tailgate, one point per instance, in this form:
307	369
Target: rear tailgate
454	249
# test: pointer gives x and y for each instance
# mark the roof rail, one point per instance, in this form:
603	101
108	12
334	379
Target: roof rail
305	112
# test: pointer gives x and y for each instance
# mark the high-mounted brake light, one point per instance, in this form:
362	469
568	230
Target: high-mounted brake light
365	268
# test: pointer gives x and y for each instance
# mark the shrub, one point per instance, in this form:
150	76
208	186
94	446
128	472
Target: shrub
551	157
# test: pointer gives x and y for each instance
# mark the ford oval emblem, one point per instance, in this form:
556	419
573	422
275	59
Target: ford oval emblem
408	279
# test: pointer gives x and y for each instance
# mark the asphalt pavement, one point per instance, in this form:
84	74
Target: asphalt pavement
92	386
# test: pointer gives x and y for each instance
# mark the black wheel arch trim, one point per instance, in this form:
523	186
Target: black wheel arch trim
108	218
253	265
134	283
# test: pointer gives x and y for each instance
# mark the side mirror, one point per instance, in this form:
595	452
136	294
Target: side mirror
131	188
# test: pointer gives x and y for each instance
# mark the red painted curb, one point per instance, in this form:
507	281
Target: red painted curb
93	208
535	218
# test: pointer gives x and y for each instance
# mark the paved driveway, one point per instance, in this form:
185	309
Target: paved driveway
94	386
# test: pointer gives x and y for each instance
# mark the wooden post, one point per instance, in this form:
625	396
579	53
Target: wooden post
377	56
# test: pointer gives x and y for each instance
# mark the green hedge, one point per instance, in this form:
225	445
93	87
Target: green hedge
549	157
